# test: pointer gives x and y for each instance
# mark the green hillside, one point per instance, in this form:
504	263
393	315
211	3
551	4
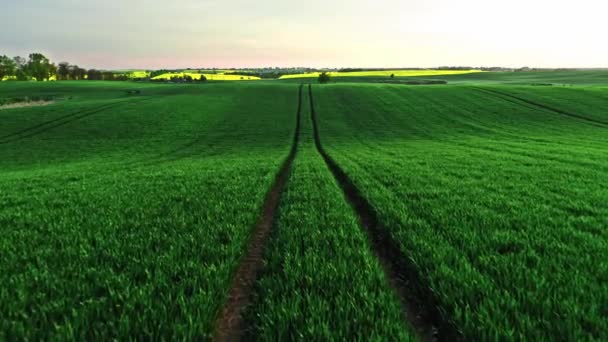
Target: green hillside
261	210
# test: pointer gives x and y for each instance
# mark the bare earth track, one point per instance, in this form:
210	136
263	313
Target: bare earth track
55	123
417	301
27	104
517	99
229	325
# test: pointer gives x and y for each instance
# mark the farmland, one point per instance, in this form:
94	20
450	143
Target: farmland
124	216
307	289
494	200
469	211
384	73
210	77
132	74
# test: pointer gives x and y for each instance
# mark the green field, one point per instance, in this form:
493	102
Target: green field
125	216
474	210
495	201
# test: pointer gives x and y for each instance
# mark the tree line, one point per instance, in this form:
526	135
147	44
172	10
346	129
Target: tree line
39	67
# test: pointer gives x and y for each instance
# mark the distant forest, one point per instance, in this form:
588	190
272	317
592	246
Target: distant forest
38	67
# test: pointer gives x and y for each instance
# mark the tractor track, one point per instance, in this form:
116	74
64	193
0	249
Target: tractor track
57	122
516	99
417	301
230	325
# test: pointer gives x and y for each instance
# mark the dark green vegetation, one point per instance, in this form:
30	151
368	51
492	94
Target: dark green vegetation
38	67
125	208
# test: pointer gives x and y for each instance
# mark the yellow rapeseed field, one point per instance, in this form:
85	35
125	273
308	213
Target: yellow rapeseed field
138	74
210	77
387	73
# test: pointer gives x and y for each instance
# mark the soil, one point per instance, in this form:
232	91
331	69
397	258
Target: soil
418	303
26	104
229	326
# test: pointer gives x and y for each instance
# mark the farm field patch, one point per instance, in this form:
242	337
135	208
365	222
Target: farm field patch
127	210
538	79
496	202
125	216
209	77
384	73
308	289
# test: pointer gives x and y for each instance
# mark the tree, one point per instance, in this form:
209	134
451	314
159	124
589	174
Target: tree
77	73
63	71
21	69
108	76
19	61
202	78
53	70
392	75
8	67
81	73
158	73
39	67
324	77
94	75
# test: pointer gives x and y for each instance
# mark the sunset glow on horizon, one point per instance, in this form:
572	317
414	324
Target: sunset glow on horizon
242	33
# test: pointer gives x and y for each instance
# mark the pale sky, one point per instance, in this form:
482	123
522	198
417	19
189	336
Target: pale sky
317	33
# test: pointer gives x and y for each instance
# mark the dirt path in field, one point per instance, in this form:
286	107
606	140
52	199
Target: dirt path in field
514	98
26	104
229	325
417	301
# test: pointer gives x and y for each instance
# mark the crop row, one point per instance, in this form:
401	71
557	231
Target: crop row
497	203
130	222
124	214
321	280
